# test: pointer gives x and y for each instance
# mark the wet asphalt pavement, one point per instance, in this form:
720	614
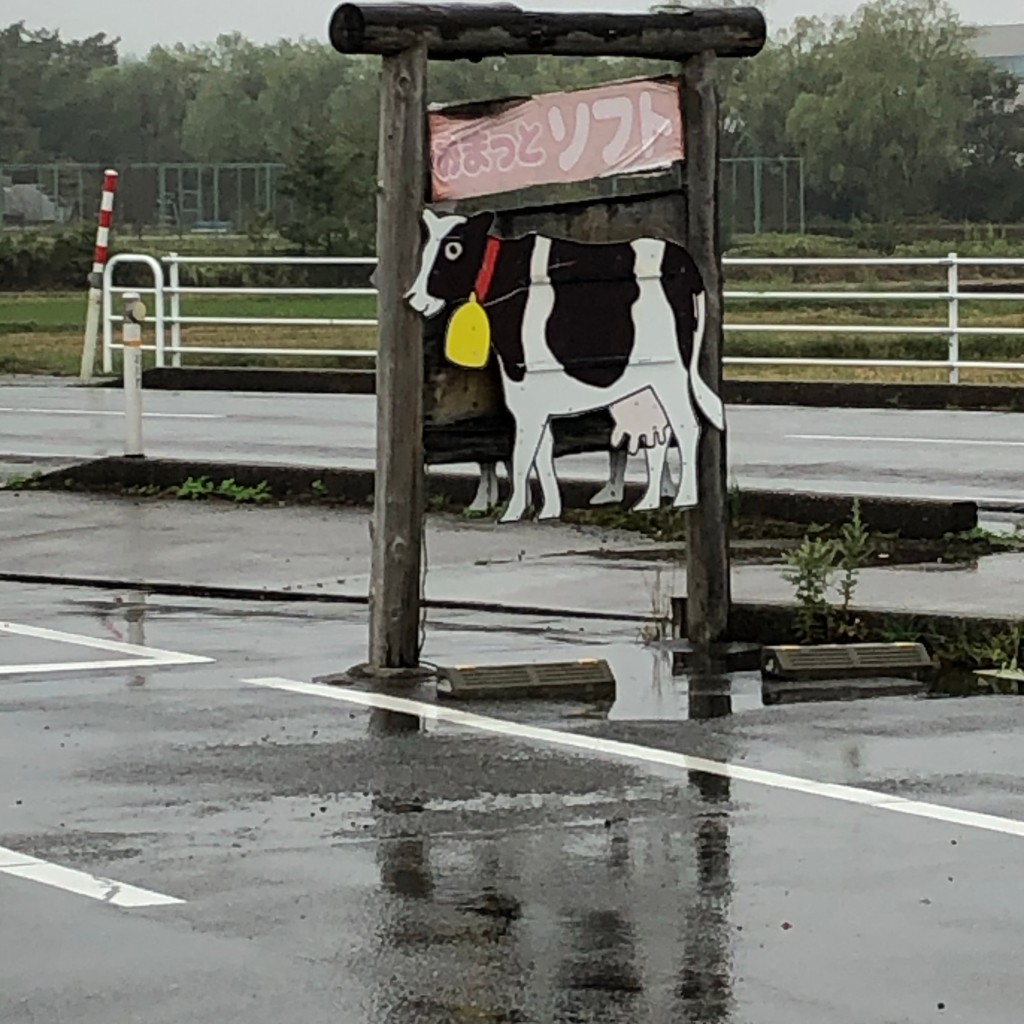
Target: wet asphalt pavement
942	454
335	866
344	864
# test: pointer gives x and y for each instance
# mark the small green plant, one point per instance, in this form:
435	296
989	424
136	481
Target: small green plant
319	488
240	494
21	483
1002	650
144	490
853	547
735	502
980	541
813	567
195	488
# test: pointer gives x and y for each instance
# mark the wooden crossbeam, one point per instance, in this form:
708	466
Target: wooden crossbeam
475	31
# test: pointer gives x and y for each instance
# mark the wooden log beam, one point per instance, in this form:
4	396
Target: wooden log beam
708	586
475	31
398	499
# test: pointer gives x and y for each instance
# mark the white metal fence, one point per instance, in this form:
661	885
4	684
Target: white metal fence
169	317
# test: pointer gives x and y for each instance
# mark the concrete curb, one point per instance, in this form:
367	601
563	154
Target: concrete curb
359	379
912	519
764	623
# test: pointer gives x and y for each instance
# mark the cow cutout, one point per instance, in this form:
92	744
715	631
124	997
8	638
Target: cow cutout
575	328
487	494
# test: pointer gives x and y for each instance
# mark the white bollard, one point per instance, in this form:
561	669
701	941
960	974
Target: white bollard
134	314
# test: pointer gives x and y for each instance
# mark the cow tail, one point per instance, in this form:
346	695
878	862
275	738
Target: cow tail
707	401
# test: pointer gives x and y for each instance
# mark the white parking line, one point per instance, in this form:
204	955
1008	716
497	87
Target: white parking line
138	657
651	755
105	890
861	438
114	412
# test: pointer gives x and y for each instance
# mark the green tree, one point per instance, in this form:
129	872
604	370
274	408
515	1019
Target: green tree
988	184
886	118
314	180
47	108
224	122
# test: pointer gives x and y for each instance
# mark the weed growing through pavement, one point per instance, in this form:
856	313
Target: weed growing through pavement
813	567
20	483
198	488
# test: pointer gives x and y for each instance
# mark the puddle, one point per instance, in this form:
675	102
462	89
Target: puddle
652	684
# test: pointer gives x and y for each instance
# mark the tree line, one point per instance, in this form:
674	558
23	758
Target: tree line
894	114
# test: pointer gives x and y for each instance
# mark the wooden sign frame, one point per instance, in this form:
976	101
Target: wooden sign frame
407	37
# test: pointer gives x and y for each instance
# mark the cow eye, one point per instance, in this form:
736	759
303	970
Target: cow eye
453	250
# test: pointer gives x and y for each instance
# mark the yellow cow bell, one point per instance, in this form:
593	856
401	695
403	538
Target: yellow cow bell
468	340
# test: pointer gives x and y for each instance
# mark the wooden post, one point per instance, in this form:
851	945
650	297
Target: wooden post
708	590
398	502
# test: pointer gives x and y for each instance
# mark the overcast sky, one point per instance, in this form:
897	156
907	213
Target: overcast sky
143	23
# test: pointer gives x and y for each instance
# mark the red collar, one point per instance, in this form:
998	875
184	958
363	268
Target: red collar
485	275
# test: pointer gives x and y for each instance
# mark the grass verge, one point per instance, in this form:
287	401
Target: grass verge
40	333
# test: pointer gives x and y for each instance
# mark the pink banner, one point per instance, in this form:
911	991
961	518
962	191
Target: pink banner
561	137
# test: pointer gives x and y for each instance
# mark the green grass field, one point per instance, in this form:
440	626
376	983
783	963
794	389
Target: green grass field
41	332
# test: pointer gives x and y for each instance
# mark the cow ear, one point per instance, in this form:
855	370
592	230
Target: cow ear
481	223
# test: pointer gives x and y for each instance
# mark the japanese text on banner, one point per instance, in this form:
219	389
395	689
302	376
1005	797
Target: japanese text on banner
621	128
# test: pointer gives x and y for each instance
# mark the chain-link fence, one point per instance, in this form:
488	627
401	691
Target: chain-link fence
168	196
759	194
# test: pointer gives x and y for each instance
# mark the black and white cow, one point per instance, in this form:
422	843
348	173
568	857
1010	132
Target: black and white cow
578	327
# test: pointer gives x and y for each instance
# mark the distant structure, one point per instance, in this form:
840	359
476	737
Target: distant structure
1003	45
27	204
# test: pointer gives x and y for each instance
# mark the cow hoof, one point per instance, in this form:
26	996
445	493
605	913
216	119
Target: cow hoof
546	513
647	506
688	502
511	516
606	497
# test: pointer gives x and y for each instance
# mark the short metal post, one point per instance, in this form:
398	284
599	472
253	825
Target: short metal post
175	282
953	287
134	314
758	182
803	208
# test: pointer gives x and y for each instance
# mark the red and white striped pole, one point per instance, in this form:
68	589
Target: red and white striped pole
99	262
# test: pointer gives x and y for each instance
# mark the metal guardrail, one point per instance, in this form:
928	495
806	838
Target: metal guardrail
168	294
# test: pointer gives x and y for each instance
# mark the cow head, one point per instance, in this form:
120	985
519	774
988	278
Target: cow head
452	256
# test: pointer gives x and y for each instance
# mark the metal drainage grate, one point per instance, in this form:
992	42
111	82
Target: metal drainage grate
588	678
845	661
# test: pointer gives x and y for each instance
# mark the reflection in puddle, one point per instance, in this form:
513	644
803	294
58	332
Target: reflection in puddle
616	915
135	616
392	723
648	690
602	955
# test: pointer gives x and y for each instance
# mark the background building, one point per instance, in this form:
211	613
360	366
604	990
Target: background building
1003	45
